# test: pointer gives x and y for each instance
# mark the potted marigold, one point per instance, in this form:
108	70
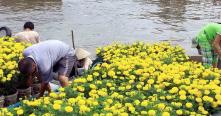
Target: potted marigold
35	88
9	92
10	54
24	91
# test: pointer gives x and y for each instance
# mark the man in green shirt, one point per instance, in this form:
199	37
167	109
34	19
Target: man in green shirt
208	41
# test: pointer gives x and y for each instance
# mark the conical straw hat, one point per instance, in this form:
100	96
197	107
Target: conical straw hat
81	53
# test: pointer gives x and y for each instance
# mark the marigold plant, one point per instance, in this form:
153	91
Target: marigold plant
10	53
137	79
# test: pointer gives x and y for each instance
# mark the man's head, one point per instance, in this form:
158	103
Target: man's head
29	25
28	68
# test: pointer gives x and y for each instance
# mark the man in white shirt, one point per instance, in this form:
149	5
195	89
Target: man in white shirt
42	59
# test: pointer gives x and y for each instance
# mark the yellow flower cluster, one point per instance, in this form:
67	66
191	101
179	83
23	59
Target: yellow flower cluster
10	53
159	51
137	79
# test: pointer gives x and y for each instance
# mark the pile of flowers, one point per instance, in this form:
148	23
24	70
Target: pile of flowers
10	53
137	79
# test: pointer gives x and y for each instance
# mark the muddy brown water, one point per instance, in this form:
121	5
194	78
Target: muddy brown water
100	22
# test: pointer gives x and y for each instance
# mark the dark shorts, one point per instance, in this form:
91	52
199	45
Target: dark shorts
65	65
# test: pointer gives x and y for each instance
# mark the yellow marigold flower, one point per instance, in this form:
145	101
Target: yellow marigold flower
47	114
121	88
109	114
132	109
182	92
9	114
214	104
68	109
109	84
111	73
89	78
62	94
109	101
53	95
137	102
9	75
95	114
80	88
92	86
56	106
207	99
81	102
58	102
179	112
131	81
183	97
189	105
124	114
218	97
199	100
20	112
96	74
139	86
3	79
32	114
166	114
174	90
95	103
152	112
169	97
61	89
128	87
146	87
207	92
205	112
144	103
71	100
150	81
161	106
84	109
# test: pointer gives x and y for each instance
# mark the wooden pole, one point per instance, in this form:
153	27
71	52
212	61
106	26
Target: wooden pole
72	35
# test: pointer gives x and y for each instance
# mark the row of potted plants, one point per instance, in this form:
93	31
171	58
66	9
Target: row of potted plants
10	94
11	82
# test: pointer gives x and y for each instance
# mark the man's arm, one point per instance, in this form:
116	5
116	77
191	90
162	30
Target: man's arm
63	80
87	63
216	44
44	86
42	89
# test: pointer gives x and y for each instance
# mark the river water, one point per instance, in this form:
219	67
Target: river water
100	22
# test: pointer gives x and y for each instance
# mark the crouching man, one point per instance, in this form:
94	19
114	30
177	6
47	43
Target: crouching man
42	59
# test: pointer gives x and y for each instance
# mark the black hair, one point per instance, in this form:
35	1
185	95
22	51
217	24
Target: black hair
25	65
29	25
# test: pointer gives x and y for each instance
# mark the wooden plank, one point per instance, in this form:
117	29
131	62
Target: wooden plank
197	58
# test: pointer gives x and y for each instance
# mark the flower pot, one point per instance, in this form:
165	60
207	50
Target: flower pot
2	101
35	95
24	93
35	89
11	99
